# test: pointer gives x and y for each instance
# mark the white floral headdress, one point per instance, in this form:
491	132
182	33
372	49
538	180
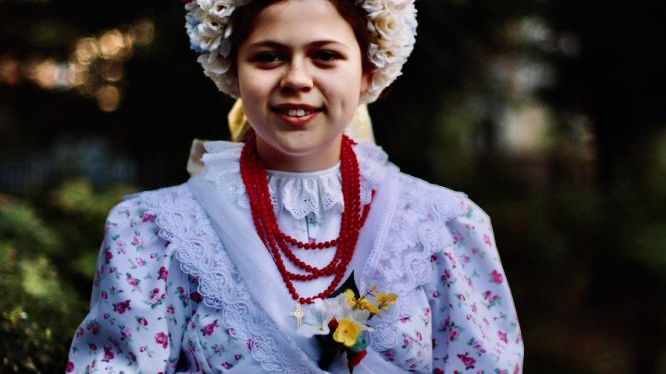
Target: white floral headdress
391	23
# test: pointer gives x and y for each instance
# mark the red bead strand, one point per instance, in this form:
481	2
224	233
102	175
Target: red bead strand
255	179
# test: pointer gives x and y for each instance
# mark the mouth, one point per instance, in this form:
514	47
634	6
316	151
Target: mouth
296	114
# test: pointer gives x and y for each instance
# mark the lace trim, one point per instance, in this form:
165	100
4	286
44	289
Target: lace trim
182	223
417	231
301	194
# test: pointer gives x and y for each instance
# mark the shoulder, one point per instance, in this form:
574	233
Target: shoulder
437	202
141	216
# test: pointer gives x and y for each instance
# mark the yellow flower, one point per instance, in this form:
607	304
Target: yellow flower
347	332
351	298
383	300
367	305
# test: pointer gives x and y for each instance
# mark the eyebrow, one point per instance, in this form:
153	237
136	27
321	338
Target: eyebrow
277	45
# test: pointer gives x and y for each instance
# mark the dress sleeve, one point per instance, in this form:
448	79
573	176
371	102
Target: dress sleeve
139	305
474	320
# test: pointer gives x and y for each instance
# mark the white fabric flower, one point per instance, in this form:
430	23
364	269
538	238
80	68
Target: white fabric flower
218	8
316	318
214	64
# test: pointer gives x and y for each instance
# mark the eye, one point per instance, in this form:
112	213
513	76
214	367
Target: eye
327	56
267	57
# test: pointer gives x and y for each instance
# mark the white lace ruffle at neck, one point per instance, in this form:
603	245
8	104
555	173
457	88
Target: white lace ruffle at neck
301	194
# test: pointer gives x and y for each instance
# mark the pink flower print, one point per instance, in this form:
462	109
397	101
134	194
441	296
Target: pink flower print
106	315
453	335
125	333
516	369
93	327
171	310
140	261
163	273
237	357
470	227
80	332
446	276
108	355
142	321
469	362
438	371
132	281
464	259
475	250
433	258
132	356
419	336
122	306
435	294
474	309
196	297
148	217
210	328
490	298
155	295
457	238
143	348
460	297
496	277
405	342
227	365
405	319
502	337
497	371
104	295
163	339
137	240
486	239
92	346
107	254
70	367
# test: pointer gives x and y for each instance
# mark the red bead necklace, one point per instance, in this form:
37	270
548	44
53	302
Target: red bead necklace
255	179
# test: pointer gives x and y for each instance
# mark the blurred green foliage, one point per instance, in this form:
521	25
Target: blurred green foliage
47	262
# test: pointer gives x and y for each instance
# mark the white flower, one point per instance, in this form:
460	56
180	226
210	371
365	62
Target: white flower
316	319
342	310
218	8
213	63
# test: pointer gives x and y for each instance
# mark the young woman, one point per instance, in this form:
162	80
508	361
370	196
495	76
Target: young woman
224	272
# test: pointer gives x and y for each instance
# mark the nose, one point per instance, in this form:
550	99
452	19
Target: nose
296	77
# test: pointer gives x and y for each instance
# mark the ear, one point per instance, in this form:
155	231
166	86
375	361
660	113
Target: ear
366	78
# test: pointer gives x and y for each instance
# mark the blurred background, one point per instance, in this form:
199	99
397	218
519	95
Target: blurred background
549	113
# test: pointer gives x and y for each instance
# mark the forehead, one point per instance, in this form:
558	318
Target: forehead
301	21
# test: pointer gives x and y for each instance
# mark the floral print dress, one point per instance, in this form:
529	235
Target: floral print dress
167	297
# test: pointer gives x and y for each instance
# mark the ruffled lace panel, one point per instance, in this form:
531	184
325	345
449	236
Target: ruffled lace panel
183	224
402	264
301	194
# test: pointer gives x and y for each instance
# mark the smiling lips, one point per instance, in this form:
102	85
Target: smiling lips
296	114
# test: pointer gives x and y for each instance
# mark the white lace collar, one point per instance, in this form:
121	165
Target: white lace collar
301	194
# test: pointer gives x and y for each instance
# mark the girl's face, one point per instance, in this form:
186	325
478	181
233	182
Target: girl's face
300	77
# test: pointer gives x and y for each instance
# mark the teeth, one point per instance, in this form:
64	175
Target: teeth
296	112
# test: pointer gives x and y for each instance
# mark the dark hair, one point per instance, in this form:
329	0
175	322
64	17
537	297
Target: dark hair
244	17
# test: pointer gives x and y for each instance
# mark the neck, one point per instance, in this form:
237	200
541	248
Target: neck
325	157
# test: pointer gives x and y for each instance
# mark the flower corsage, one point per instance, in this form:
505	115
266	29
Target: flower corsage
341	324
